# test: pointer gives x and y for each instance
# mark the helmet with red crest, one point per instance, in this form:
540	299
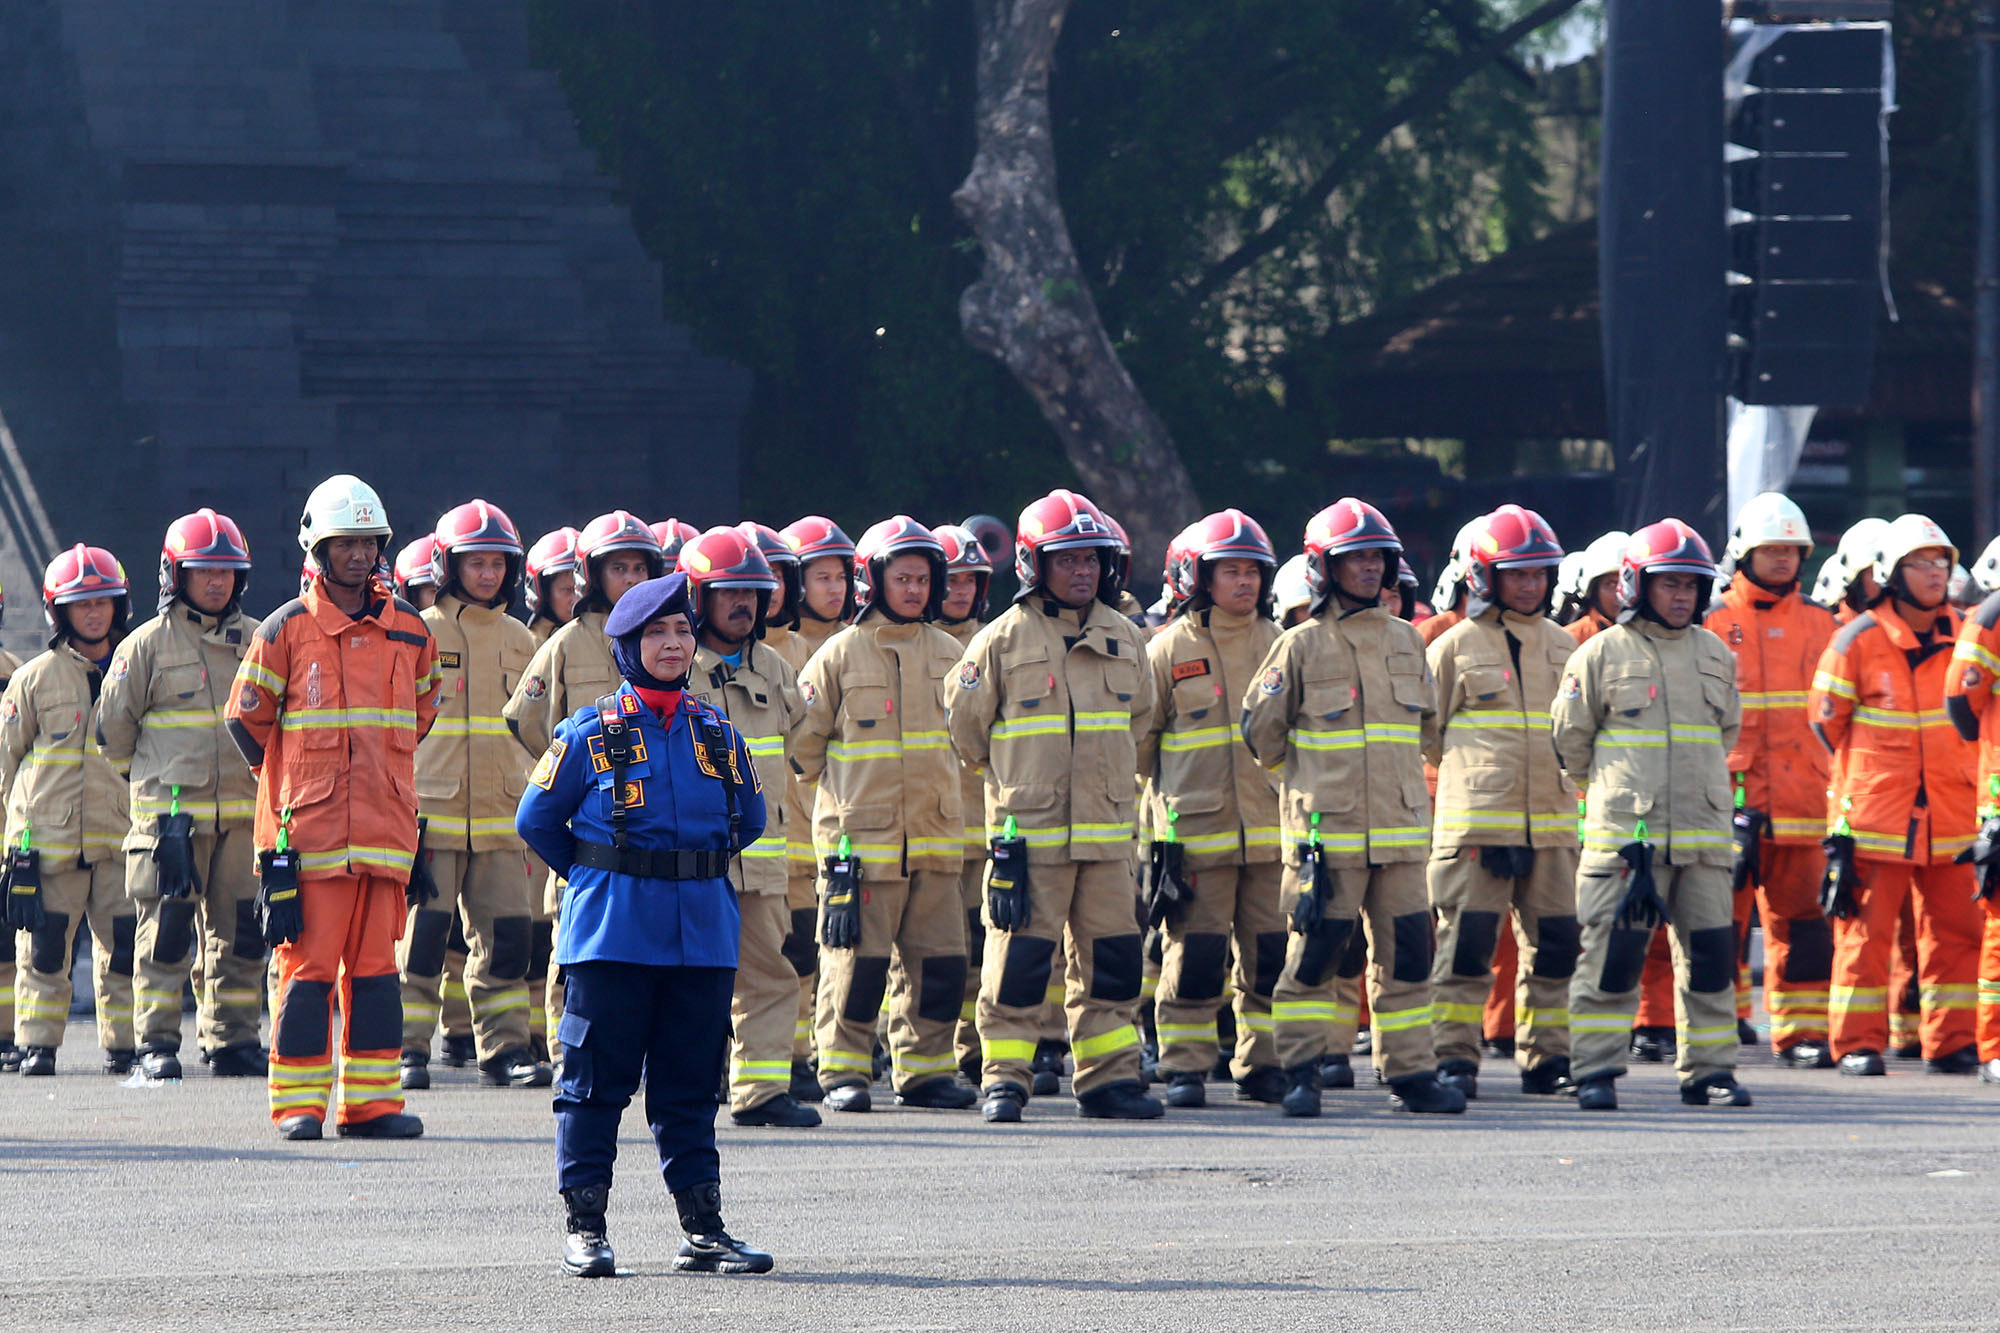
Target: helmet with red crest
1508	538
203	540
963	554
1177	572
673	534
900	535
1342	528
784	563
78	575
602	536
727	558
818	538
475	525
1063	520
553	554
1657	548
413	566
1229	534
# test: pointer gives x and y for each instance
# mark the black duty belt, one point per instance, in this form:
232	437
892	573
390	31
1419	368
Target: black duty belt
652	863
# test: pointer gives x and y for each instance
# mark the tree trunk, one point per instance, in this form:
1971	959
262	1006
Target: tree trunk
1031	307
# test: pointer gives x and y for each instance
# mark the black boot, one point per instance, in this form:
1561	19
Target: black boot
10	1058
943	1093
245	1061
1336	1071
780	1112
460	1051
1599	1092
708	1248
1463	1075
1186	1090
1855	1064
969	1069
1746	1035
1266	1083
416	1066
1002	1103
1500	1048
395	1125
514	1068
1425	1093
1301	1099
1715	1090
38	1060
1125	1099
1811	1053
805	1082
120	1061
1964	1060
852	1097
1550	1078
1653	1045
586	1247
159	1063
1047	1067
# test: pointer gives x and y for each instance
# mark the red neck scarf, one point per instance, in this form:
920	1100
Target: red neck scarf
662	702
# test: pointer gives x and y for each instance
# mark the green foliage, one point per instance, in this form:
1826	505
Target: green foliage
790	163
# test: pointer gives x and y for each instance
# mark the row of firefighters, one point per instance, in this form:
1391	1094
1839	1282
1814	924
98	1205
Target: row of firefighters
1209	840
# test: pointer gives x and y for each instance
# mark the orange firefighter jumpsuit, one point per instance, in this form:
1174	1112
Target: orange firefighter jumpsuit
1975	669
328	710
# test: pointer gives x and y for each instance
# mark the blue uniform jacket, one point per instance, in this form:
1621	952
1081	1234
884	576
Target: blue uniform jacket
675	799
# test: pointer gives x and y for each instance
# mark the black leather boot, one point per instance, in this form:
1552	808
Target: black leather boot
1301	1100
1425	1093
708	1247
1047	1067
38	1060
586	1247
159	1063
514	1068
1461	1074
416	1070
120	1061
460	1051
804	1085
1550	1078
1336	1071
1266	1083
10	1057
245	1061
1186	1090
1125	1099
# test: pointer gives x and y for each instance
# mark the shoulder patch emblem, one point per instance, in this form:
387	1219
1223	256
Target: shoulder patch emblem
544	775
808	693
246	701
1970	680
534	687
448	660
1827	707
10	712
635	794
121	668
1735	636
968	675
1272	681
1572	688
1191	670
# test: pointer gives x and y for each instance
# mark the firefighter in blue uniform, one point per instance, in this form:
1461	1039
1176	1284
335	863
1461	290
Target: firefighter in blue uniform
640	803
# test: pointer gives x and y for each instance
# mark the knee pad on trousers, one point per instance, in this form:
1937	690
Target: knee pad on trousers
1558	942
510	948
1270	963
1809	949
1024	975
429	934
302	1018
1712	959
801	946
1354	959
541	948
175	931
941	988
377	1021
248	939
1413	947
864	989
1624	960
1117	968
48	948
1326	945
975	936
458	943
124	939
1204	963
1478	936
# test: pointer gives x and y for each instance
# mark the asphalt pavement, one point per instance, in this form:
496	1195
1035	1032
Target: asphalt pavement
1833	1203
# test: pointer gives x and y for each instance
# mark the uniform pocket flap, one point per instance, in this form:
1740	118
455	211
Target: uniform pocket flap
1020	797
1483	683
305	788
855	817
438	786
1196	803
573	1029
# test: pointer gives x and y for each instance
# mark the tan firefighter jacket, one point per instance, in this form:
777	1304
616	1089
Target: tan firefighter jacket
874	739
1342	711
470	769
797	647
971	786
1055	724
573	669
1204	784
1499	784
761	699
66	796
161	713
1645	718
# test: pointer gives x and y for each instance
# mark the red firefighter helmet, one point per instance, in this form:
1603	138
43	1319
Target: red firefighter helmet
900	535
553	553
812	538
1120	568
1178	576
203	540
615	531
1656	548
1064	521
1508	538
1342	527
964	554
784	564
413	565
77	575
673	535
1228	534
726	558
475	525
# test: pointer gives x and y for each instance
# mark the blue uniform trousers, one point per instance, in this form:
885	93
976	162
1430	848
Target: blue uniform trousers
624	1019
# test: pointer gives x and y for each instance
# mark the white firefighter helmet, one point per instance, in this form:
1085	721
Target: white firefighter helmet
1857	549
1769	519
1289	588
342	506
1911	532
1450	590
1986	569
1604	556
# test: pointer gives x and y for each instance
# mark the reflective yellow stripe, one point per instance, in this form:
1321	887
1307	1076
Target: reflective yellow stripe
170	719
854	752
1443	1012
927	740
1399	837
1846	997
471	726
843	1061
1304	1011
1016	727
259	675
1790	827
1006	1048
1120	721
765	747
1402	1020
1036	837
1213	842
1101	832
1123	1037
1631	736
1548	1018
320	719
1393	733
1828	683
925	1064
1967	651
1715	1036
1349	739
1199	738
1756	700
1490	717
1204	1032
1599	1022
341	857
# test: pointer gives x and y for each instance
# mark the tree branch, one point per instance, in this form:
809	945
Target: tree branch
1425	100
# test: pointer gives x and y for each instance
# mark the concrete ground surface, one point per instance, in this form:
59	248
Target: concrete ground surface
1833	1203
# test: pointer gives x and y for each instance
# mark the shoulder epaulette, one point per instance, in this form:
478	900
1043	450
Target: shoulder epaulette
1987	613
1844	640
268	630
